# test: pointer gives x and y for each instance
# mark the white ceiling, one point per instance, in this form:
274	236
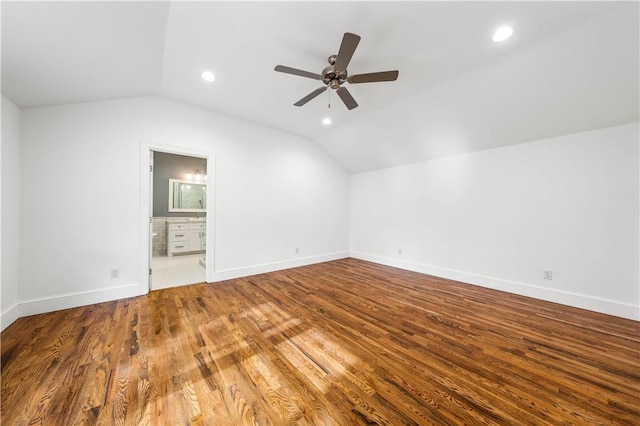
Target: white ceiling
570	66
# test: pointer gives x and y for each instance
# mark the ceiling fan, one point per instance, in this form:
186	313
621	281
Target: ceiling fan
335	74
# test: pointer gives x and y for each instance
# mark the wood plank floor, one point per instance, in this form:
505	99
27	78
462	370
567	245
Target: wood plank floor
338	343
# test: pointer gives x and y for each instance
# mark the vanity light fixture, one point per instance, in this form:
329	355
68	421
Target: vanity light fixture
196	175
208	76
502	33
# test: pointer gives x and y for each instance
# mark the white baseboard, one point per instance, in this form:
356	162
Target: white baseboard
72	300
229	274
592	303
9	316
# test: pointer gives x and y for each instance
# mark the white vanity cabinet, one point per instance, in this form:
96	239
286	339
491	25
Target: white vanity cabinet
186	237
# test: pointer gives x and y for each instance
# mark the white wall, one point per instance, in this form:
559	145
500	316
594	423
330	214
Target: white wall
81	209
496	218
499	217
10	237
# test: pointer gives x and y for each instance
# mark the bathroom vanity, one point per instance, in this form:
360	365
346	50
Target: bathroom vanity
186	235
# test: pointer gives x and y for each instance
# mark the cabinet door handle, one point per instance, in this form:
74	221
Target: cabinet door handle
179	246
179	235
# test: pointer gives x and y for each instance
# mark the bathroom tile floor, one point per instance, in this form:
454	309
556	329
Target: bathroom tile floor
176	270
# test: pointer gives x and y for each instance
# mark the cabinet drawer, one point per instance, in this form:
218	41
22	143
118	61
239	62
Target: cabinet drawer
178	226
179	246
178	235
197	226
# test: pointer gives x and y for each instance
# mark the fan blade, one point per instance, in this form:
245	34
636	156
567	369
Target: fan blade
348	46
373	77
294	71
311	95
347	98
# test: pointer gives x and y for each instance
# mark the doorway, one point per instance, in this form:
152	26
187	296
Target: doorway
178	224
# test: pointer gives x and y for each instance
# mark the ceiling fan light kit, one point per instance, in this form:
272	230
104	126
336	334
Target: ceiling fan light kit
334	75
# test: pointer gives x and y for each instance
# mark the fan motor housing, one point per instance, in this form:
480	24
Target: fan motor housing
332	77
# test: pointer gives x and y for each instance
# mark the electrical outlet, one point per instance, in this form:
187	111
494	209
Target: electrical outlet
297	250
547	274
400	252
115	273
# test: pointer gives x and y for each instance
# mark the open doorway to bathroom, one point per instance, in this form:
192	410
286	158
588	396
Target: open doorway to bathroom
178	231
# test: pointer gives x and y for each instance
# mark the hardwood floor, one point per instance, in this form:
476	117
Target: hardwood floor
344	342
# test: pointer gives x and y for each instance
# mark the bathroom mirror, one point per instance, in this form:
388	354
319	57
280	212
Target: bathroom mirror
187	196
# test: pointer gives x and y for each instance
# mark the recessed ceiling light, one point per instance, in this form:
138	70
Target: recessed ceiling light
208	76
326	121
502	33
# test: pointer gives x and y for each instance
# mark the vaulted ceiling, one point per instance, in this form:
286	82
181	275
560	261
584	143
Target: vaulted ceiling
569	67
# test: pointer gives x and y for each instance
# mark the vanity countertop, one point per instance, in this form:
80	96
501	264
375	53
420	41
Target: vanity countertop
185	219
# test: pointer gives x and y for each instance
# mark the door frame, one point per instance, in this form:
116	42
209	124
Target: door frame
146	209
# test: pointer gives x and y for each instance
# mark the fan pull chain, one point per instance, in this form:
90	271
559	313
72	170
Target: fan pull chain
329	105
